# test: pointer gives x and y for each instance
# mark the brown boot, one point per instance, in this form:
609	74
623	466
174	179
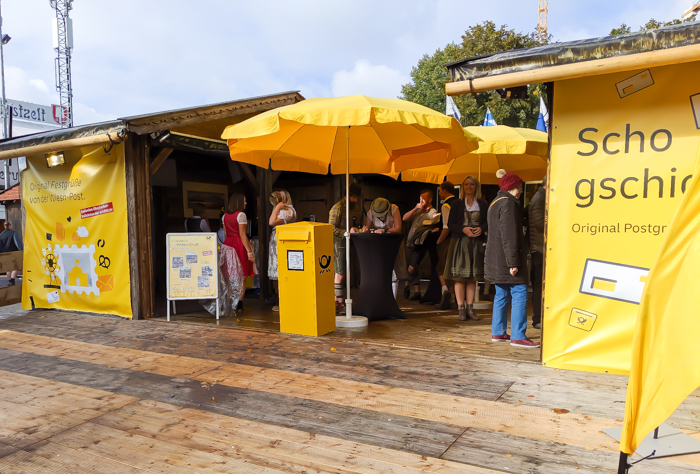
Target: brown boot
470	313
462	312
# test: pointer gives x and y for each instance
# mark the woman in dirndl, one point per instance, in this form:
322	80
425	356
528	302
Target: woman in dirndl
236	259
283	213
465	256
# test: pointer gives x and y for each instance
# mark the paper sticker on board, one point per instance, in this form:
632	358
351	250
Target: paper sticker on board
295	260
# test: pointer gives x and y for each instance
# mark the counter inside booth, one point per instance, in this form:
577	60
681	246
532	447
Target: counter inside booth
305	256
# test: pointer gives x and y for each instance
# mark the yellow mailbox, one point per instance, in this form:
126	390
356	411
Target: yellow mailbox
305	259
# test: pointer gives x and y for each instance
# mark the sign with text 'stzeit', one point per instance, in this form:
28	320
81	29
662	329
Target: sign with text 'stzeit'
45	114
192	266
623	149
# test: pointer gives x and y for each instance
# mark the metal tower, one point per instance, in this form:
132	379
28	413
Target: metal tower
542	22
63	45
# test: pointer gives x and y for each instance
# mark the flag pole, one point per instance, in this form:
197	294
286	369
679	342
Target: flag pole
623	467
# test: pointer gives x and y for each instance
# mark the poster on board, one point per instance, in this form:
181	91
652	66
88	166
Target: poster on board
192	263
76	254
624	147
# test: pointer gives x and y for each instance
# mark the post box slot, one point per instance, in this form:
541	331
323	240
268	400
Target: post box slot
294	236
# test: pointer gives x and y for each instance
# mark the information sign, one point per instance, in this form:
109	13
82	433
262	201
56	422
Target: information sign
192	266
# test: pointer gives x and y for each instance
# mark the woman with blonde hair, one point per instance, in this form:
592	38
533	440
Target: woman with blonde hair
282	213
236	259
465	256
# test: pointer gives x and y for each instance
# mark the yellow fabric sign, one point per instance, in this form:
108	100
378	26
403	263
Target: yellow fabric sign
76	254
192	266
666	346
623	151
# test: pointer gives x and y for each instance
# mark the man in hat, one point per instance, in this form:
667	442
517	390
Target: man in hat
505	263
385	217
336	218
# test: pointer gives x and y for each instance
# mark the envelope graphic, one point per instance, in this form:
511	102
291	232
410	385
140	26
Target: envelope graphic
105	283
582	319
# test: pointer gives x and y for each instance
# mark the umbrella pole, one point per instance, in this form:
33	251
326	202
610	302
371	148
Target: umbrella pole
349	321
348	299
480	170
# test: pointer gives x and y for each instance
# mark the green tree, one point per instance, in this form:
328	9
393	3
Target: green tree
652	24
428	78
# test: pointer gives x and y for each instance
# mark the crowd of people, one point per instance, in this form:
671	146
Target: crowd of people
467	241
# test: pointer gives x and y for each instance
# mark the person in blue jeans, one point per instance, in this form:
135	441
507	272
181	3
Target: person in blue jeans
505	263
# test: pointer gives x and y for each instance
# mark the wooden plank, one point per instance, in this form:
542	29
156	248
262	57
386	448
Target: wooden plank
523	455
528	421
10	295
421	437
299	450
250	177
11	261
22	462
81	459
149	453
139	226
160	158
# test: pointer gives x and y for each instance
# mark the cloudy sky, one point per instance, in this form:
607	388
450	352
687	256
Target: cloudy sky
141	56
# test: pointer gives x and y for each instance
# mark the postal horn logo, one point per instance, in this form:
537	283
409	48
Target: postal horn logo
325	262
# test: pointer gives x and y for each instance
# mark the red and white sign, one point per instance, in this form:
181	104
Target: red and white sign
96	210
60	114
207	252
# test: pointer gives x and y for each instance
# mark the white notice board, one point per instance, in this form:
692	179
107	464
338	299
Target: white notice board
192	266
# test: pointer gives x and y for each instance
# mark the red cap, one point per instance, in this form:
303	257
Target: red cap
509	181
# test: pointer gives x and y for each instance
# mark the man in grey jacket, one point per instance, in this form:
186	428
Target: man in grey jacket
536	227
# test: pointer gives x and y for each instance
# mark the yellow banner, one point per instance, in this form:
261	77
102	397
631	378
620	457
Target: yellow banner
76	254
623	152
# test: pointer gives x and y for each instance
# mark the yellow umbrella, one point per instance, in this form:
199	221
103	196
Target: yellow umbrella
354	134
519	150
311	135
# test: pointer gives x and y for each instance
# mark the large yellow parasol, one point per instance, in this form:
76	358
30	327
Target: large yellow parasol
354	134
519	150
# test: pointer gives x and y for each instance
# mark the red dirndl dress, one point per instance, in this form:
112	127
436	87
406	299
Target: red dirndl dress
233	240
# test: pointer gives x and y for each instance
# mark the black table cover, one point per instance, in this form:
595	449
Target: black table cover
433	293
377	253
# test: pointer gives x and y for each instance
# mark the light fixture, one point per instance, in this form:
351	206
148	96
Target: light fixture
55	159
6	39
163	137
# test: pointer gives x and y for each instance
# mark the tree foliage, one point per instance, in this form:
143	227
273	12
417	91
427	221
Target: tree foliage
652	24
429	76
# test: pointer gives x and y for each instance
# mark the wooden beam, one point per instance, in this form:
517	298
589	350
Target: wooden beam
11	261
263	231
160	159
10	295
631	62
250	176
60	145
138	190
273	177
170	120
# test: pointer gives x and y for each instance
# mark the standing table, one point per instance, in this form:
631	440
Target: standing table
377	253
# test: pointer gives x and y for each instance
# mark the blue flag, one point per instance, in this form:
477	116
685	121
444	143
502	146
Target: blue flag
451	108
543	118
489	121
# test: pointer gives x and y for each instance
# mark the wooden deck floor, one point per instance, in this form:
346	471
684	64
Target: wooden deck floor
82	393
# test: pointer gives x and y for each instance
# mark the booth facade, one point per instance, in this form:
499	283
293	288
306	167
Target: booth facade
624	137
95	222
92	233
